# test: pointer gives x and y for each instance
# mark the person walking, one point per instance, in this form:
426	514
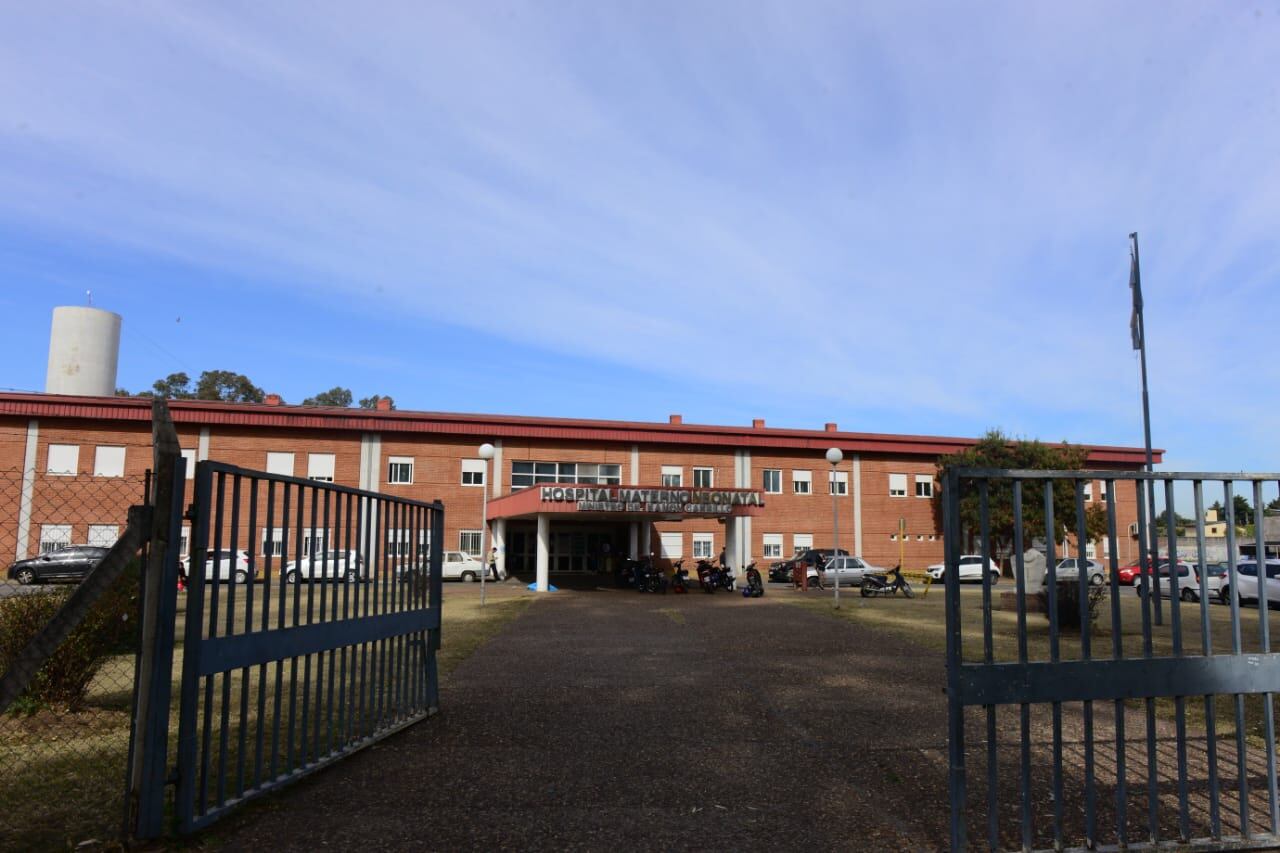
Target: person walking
493	562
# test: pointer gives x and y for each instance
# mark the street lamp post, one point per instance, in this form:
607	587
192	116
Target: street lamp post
486	453
834	456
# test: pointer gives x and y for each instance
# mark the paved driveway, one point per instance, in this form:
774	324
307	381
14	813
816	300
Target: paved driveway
613	720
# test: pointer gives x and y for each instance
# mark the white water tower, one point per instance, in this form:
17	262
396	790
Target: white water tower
84	346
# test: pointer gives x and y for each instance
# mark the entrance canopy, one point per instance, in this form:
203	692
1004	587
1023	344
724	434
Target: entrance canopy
626	503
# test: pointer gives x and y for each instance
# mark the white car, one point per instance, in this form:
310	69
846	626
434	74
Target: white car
1188	582
459	565
327	565
227	565
1069	570
847	571
1247	581
970	569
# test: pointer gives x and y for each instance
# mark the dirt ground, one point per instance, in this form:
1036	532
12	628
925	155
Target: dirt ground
607	719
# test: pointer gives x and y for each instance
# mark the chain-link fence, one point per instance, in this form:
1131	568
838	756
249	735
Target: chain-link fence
64	743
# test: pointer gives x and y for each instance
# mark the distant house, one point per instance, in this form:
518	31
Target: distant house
1270	535
1214	527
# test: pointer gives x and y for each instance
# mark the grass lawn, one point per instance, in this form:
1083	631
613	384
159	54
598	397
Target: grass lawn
62	773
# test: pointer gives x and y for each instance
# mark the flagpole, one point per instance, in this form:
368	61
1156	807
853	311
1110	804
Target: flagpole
1153	539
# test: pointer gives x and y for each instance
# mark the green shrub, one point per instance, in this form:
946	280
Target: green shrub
109	628
1068	600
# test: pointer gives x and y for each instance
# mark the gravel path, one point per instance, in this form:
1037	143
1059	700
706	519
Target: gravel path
601	720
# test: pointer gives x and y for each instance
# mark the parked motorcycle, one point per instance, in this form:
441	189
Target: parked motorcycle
755	584
679	578
651	579
706	578
722	577
888	583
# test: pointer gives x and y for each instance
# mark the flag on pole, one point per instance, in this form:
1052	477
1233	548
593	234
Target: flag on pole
1135	285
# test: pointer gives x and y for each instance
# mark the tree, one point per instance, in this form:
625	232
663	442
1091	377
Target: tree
995	450
372	402
175	386
1274	506
228	387
123	392
339	397
1244	512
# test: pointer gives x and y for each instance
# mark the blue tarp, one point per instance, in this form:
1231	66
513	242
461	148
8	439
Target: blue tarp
533	587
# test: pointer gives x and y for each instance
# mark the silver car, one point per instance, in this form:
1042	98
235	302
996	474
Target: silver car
847	571
326	565
1069	570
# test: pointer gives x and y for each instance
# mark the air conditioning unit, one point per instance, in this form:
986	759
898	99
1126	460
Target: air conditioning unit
1133	528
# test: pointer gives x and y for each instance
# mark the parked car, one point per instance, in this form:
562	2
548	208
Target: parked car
1068	569
459	565
1188	582
848	571
71	563
1247	581
782	571
227	565
1127	575
971	567
327	565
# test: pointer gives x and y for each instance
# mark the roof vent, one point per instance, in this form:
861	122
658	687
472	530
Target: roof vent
675	419
384	404
757	423
830	427
273	400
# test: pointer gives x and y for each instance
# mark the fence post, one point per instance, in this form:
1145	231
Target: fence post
159	606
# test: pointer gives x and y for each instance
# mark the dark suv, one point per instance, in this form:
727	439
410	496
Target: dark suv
781	572
70	563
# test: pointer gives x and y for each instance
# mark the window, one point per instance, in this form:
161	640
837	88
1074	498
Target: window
54	537
802	482
837	482
64	459
190	456
473	472
1103	490
672	475
469	542
274	540
280	463
703	545
400	470
400	541
526	474
897	485
773	481
103	535
314	541
704	478
924	485
672	545
108	462
184	541
772	546
801	542
1088	491
320	467
1091	551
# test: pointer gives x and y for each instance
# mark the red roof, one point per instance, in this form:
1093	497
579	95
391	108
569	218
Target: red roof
209	413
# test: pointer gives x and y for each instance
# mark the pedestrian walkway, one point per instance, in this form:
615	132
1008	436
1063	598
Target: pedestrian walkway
612	720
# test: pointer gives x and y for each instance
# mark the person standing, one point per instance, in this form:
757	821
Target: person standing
493	562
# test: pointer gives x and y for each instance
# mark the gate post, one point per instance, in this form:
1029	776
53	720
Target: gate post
955	709
149	759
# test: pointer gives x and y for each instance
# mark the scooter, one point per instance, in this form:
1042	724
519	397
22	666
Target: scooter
886	584
706	576
651	579
722	577
755	584
679	578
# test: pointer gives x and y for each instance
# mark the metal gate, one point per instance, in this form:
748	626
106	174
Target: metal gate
311	629
1161	737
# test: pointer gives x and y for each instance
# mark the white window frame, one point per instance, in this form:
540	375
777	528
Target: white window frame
672	476
799	477
897	485
392	469
710	476
704	546
771	546
63	460
321	466
184	541
671	545
925	480
1088	491
97	538
473	472
462	542
399	540
777	477
838	483
108	461
280	462
801	542
309	536
190	456
275	537
1103	496
54	537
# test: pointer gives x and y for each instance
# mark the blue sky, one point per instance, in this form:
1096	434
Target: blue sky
907	217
